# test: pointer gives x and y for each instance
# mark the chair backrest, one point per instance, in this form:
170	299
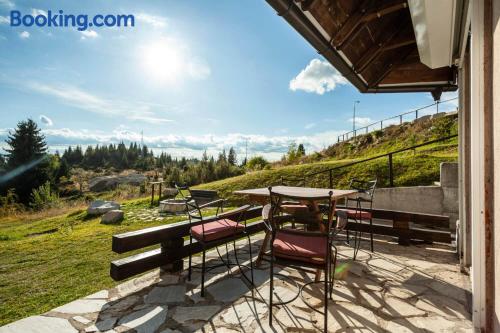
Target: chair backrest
200	196
299	181
272	213
366	190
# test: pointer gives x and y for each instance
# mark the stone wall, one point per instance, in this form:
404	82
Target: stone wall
440	199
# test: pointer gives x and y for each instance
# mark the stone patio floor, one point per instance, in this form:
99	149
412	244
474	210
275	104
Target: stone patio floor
395	289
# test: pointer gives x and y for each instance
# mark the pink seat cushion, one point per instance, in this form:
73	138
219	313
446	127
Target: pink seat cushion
300	247
355	214
216	230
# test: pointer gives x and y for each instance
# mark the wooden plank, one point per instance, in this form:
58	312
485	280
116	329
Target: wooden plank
420	234
136	264
145	237
428	220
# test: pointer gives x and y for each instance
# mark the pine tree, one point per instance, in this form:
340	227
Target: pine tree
231	158
27	159
301	151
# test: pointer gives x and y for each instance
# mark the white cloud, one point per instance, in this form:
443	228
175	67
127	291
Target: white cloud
24	35
361	121
46	120
7	3
271	147
35	12
318	77
153	20
4	20
310	125
89	34
84	100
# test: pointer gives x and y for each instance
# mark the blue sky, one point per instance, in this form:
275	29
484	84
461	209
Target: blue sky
191	75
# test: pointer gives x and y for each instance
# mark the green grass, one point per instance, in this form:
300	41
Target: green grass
39	271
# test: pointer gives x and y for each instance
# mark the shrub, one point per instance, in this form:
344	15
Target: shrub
9	203
43	197
257	163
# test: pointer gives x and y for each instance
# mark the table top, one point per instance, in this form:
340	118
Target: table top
299	192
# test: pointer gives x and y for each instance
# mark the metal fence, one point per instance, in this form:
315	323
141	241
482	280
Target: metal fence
379	125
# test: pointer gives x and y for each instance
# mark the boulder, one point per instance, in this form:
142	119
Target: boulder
170	192
107	183
99	207
113	216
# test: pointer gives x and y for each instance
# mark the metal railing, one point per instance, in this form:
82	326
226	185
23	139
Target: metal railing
387	155
353	134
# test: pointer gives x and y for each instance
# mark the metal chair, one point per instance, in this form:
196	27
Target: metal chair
359	210
294	208
213	233
303	250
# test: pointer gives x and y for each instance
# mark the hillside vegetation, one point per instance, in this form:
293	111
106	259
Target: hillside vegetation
411	168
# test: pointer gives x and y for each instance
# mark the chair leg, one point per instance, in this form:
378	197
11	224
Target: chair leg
251	258
326	298
355	248
271	286
189	267
347	236
371	234
333	270
203	275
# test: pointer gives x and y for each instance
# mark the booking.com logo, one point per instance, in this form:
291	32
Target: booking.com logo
59	19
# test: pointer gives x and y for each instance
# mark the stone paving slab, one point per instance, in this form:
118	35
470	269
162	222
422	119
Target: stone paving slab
395	289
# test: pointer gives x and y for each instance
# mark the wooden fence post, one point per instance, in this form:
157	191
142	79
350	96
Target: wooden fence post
171	246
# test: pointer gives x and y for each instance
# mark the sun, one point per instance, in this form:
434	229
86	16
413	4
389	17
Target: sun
162	60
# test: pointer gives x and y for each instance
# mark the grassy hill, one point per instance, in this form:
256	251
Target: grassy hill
419	167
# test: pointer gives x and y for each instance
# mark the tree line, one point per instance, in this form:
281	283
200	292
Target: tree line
28	169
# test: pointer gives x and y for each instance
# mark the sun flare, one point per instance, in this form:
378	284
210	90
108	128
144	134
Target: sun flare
162	61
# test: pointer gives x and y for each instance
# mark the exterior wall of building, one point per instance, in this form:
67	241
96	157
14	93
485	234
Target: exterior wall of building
439	200
496	154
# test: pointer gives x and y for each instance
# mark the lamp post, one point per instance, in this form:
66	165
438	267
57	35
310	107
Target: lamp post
354	118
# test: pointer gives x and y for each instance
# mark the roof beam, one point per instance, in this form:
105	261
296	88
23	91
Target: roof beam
374	52
360	18
390	41
396	60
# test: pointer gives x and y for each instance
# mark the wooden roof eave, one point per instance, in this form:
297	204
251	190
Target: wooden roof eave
306	26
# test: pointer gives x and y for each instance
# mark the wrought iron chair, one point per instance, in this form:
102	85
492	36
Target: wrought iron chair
359	210
303	250
213	233
294	208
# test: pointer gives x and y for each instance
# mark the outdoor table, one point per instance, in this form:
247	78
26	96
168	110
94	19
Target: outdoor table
261	196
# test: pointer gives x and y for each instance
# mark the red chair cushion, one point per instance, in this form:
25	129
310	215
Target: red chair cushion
216	230
300	247
355	214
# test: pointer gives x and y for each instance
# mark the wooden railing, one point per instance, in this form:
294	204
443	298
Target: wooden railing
173	247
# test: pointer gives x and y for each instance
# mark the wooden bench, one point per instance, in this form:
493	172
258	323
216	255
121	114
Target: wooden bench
407	226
